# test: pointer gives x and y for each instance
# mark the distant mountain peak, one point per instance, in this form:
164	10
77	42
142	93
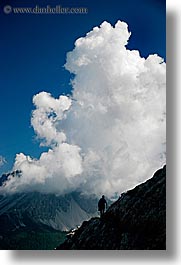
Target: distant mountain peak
6	176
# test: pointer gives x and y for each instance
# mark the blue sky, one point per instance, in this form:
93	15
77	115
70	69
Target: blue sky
33	51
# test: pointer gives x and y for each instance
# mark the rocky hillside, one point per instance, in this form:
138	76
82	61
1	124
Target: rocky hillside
137	220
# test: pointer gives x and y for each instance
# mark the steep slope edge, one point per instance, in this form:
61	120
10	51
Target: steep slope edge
137	220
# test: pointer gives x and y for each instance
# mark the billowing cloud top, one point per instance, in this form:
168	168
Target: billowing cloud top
110	135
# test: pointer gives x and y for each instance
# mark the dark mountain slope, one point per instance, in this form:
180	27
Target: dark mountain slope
137	220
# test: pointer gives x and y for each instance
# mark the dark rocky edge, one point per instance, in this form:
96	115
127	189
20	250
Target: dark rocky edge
136	221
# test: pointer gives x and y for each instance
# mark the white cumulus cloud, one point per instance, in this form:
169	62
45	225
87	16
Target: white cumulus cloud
110	135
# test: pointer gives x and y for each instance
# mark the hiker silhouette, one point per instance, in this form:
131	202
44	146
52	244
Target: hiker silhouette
102	205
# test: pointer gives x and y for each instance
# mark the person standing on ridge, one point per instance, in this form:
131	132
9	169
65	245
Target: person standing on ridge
102	205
